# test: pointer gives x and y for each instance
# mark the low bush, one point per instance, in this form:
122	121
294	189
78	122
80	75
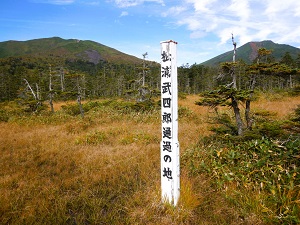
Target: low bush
113	105
263	163
295	91
265	169
4	117
71	109
296	115
128	107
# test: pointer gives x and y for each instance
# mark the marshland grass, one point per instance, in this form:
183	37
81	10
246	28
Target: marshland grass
105	168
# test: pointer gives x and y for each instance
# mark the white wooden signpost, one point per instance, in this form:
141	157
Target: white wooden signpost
170	164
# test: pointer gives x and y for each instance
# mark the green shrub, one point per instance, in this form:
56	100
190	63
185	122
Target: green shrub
263	163
34	106
128	107
182	95
295	91
184	112
266	169
224	125
270	129
111	105
71	109
4	117
296	115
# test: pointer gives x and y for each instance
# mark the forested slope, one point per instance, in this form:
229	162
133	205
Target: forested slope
68	68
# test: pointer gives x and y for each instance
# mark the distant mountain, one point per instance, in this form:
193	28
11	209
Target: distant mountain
248	52
67	49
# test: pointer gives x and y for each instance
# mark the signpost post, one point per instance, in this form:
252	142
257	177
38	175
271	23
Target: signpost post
170	164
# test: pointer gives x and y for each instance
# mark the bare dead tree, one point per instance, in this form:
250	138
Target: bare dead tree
144	67
79	96
30	88
51	90
234	101
34	106
143	89
233	60
38	94
248	119
62	79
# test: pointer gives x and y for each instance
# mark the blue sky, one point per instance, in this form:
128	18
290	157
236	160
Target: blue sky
202	28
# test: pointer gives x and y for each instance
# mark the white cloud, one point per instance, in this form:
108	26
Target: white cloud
213	21
198	34
130	3
91	3
240	8
55	2
124	13
248	20
67	2
63	2
201	6
193	23
175	10
273	7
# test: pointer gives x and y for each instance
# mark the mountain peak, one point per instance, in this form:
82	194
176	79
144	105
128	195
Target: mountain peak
65	49
249	51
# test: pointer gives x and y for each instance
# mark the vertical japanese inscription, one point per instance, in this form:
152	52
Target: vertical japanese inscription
166	93
169	119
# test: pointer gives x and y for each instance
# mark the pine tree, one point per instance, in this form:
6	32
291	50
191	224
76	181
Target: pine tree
287	60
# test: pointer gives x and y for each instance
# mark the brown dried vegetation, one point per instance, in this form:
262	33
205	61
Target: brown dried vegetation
104	169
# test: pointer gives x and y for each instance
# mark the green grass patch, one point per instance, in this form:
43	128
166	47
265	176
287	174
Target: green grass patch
267	169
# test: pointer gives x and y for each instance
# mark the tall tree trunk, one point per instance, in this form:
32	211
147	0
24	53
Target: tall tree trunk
247	114
144	68
38	95
62	79
238	119
233	59
32	92
51	92
79	98
234	102
249	121
35	96
51	102
80	106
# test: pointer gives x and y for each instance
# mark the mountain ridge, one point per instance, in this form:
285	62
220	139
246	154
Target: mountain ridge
66	48
248	52
94	52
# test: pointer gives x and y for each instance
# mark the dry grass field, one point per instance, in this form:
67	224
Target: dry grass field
105	168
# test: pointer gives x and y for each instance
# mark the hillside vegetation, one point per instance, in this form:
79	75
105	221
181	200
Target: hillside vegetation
104	168
65	49
64	69
248	52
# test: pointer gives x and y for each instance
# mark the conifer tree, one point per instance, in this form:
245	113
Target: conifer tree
287	60
225	93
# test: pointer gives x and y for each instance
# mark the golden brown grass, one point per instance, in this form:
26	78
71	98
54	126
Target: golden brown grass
104	169
281	106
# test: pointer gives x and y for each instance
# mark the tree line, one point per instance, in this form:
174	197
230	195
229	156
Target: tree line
62	79
273	75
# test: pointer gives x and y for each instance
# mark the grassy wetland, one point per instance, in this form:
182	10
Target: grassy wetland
105	168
